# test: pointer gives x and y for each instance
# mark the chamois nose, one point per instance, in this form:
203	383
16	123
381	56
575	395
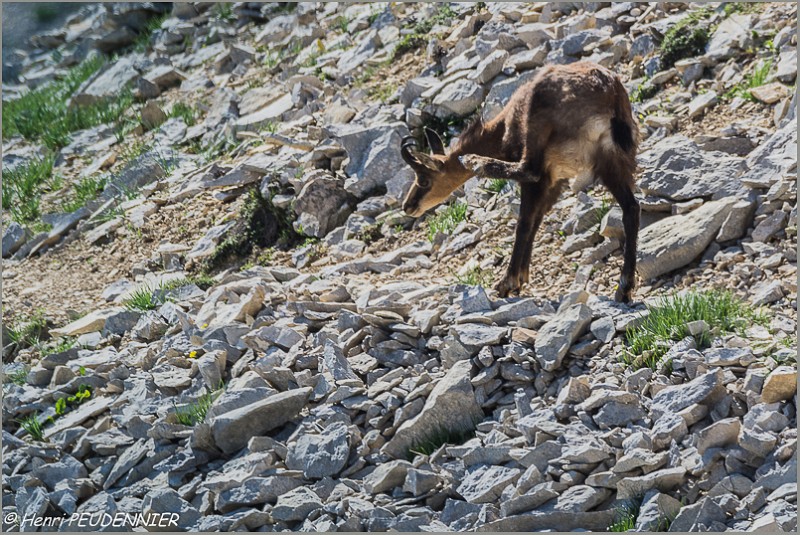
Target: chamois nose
410	208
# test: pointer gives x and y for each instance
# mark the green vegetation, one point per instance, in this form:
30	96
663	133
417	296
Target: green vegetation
341	23
475	277
144	39
260	223
439	439
26	331
757	78
420	31
141	299
32	426
644	91
601	211
46	12
369	234
496	185
202	281
743	7
18	376
85	190
447	220
24	185
666	323
626	515
185	112
43	114
84	393
685	39
195	412
223	11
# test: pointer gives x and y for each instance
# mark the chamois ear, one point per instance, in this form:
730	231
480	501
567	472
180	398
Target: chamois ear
434	141
428	161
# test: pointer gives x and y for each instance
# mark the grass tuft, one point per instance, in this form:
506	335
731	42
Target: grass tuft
475	277
447	220
755	79
438	439
43	114
85	190
195	412
26	331
496	185
24	185
626	515
185	112
32	426
666	323
18	377
142	299
421	31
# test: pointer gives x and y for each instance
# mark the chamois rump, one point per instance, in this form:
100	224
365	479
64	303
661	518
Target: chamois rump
569	120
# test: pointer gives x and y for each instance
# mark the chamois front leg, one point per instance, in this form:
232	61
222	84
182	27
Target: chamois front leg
484	167
530	216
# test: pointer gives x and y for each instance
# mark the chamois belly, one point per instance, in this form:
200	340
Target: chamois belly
573	158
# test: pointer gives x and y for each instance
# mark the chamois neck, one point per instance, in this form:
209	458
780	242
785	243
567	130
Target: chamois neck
483	139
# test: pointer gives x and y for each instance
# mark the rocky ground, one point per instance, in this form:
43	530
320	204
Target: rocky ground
216	307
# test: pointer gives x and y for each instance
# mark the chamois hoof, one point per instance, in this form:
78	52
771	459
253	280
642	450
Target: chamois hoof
623	295
507	285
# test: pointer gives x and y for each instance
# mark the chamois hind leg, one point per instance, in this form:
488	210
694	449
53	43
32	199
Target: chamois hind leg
535	203
485	167
618	178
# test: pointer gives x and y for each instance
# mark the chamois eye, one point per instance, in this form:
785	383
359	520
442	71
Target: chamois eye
423	182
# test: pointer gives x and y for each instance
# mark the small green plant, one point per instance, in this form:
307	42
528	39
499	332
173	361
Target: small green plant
341	23
369	234
26	331
24	185
59	346
141	299
601	211
755	79
475	277
43	114
732	8
266	257
644	91
166	161
185	112
195	412
61	406
496	185
437	439
81	371
32	426
223	11
18	377
421	30
667	319
447	220
685	39
134	150
626	515
145	38
84	190
203	281
46	12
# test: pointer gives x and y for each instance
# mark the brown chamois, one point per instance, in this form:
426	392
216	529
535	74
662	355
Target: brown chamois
569	120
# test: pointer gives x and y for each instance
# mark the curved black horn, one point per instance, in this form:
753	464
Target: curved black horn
405	144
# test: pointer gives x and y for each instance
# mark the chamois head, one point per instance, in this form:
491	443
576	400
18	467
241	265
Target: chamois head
438	175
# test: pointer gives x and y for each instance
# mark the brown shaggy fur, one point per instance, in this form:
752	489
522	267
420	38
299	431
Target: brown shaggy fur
569	120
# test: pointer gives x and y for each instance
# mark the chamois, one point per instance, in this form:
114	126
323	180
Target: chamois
569	120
